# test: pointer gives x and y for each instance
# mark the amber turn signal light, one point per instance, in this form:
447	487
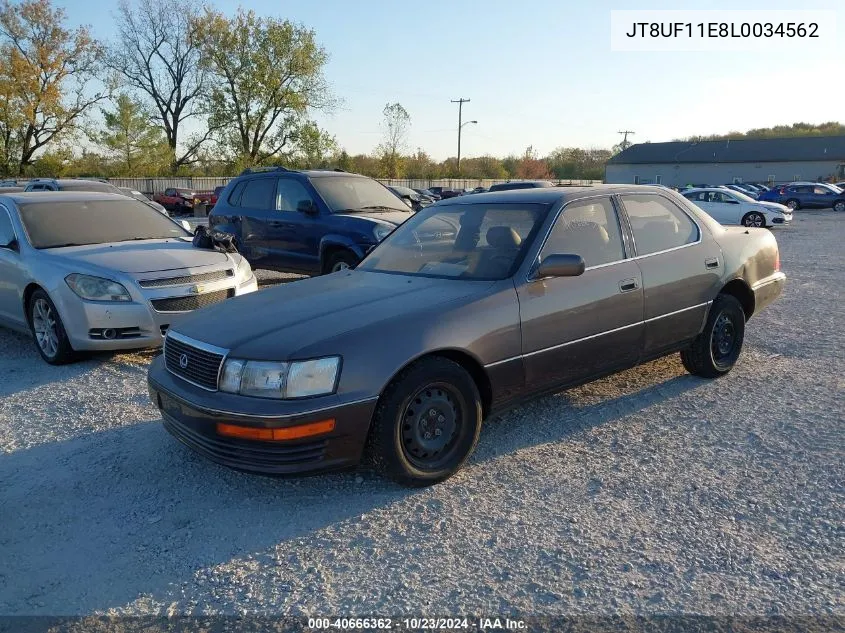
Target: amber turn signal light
276	435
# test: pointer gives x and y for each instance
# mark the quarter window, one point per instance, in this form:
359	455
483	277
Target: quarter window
658	224
588	228
259	193
7	233
289	194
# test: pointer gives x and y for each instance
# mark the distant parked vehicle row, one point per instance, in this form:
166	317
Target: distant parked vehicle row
807	195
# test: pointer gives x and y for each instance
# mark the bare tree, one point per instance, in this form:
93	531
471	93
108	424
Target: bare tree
158	55
395	125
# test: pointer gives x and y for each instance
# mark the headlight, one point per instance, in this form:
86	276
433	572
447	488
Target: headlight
97	288
298	379
382	231
244	270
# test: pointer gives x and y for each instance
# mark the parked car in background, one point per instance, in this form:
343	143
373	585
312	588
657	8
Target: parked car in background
310	222
410	197
733	207
176	200
480	190
521	184
744	189
536	291
70	184
444	192
97	271
807	195
841	185
428	193
137	195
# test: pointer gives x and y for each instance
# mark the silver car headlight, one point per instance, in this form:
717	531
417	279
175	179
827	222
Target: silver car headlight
382	231
97	288
243	270
297	379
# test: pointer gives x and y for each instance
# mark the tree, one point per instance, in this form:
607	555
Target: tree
134	144
267	76
531	167
343	161
395	127
314	147
158	55
47	78
419	166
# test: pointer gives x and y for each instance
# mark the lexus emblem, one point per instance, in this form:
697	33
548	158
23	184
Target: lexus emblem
183	361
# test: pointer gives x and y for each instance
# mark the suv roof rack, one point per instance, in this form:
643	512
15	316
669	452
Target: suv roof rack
258	170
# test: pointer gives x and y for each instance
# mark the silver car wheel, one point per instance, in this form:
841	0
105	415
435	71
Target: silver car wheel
44	325
755	219
340	266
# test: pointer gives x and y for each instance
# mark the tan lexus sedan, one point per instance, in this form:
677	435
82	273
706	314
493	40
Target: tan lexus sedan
473	304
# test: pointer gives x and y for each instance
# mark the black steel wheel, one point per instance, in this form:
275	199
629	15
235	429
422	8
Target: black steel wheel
426	424
715	351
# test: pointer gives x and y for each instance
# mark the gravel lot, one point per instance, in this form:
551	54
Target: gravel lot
647	492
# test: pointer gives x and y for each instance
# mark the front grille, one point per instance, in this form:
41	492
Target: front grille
187	279
192	363
191	302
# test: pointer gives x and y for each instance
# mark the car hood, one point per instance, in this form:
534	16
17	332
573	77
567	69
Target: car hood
142	256
274	323
392	217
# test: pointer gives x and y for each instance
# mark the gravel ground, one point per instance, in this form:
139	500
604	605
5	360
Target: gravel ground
649	492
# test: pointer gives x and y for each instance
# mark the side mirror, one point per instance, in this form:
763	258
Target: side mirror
561	266
187	226
306	206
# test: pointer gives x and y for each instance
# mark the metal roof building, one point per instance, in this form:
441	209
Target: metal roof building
739	160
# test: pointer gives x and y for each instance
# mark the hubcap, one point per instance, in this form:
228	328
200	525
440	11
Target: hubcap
792	204
754	220
340	266
44	324
430	424
723	339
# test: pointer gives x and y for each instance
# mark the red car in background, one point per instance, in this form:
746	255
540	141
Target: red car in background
176	200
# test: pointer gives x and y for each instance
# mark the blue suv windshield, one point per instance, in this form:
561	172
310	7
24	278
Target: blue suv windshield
350	193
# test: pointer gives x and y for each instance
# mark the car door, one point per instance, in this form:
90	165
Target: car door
681	269
823	197
728	208
12	277
256	206
295	227
575	328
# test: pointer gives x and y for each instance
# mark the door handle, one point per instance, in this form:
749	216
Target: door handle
627	285
711	262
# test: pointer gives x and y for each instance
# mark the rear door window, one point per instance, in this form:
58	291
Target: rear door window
259	194
658	224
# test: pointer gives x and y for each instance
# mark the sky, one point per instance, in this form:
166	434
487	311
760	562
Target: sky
538	73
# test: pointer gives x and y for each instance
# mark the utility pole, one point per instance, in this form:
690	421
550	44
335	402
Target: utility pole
460	103
625	144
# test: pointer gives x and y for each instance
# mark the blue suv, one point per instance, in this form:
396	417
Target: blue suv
806	195
310	222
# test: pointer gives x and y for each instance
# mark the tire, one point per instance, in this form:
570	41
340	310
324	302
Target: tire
839	206
793	204
711	355
48	331
341	260
754	219
432	398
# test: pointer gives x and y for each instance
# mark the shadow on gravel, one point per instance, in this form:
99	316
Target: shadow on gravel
124	512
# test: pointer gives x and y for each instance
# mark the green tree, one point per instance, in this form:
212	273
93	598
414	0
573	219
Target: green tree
315	147
132	142
395	127
48	79
267	76
420	166
344	161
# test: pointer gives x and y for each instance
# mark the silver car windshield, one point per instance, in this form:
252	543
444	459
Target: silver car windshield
55	224
462	241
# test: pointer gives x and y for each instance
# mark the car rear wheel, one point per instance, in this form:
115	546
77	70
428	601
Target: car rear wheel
48	331
426	424
715	351
839	206
793	204
342	260
754	219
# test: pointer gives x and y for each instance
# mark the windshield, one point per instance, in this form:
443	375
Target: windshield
355	193
738	195
462	241
54	224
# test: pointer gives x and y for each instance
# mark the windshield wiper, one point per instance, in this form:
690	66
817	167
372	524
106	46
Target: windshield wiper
63	245
381	206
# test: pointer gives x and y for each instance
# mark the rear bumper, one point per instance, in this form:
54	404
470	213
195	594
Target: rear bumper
190	415
767	290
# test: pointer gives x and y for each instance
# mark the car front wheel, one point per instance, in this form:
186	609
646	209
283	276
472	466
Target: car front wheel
754	219
426	424
839	206
342	260
715	351
48	331
792	204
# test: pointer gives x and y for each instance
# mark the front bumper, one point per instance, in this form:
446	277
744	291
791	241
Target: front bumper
191	415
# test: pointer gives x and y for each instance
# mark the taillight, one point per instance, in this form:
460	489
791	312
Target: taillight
777	262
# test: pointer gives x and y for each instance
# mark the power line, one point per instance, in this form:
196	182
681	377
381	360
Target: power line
625	144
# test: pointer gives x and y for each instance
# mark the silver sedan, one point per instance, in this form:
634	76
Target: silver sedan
97	271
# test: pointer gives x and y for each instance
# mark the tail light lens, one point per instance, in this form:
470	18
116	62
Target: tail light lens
777	262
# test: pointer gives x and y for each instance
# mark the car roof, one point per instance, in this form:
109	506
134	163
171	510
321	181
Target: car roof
62	196
548	195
